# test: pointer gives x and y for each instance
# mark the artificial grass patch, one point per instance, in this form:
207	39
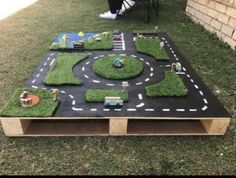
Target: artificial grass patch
99	95
62	73
151	47
105	43
172	85
104	68
45	108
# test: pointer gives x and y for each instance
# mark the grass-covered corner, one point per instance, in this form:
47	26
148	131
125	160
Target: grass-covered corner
104	68
105	43
152	48
98	95
62	72
45	108
172	85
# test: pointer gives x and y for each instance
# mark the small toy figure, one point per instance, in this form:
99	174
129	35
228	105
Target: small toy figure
177	67
118	63
98	39
55	94
81	33
162	44
156	29
124	85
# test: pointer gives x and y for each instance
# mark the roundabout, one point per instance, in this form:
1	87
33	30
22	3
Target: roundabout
131	68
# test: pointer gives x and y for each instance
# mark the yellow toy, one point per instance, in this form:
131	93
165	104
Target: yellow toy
81	33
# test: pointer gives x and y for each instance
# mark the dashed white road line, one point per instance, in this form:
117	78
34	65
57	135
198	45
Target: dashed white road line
193	110
140	96
83	69
96	81
196	86
37	75
52	62
147	79
140	105
140	83
180	110
110	84
73	102
93	110
106	110
34	81
151	69
41	70
72	97
117	110
131	110
87	63
151	74
34	87
201	93
63	92
77	109
86	76
166	110
205	101
204	108
149	110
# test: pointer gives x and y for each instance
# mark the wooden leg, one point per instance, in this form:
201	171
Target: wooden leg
216	127
14	127
118	126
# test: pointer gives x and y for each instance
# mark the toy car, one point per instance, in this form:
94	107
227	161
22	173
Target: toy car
113	102
117	37
79	45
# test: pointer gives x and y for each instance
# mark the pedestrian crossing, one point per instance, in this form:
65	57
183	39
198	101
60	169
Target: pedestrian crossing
118	44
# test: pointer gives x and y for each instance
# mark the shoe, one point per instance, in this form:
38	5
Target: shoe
108	15
109	12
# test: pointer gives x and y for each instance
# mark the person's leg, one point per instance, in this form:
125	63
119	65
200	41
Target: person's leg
115	5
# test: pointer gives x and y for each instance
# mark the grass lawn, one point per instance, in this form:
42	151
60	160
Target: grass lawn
45	108
172	85
105	43
62	73
99	95
152	48
33	30
104	68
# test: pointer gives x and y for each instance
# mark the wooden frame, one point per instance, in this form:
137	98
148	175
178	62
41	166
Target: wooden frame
113	126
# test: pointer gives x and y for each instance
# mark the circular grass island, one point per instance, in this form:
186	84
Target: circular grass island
104	67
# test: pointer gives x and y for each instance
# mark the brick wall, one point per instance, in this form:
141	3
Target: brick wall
217	16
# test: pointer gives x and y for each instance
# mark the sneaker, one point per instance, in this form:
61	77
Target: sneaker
109	12
108	15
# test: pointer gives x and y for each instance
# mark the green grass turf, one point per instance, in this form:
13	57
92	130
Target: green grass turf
151	47
104	68
62	73
33	29
45	108
105	43
172	85
99	95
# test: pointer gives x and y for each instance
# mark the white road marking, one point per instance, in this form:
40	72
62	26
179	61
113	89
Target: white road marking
44	88
87	63
52	61
140	105
52	54
147	79
83	69
48	58
177	59
148	63
149	110
180	73
77	109
168	65
72	97
151	74
96	57
123	41
139	83
118	110
101	55
171	49
173	52
184	69
93	110
45	64
204	108
117	49
151	69
133	56
180	110
110	84
193	110
196	86
192	80
205	101
106	110
96	81
141	59
166	110
175	55
37	75
63	92
123	55
86	76
41	70
140	96
73	102
34	81
201	93
34	86
188	75
131	109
